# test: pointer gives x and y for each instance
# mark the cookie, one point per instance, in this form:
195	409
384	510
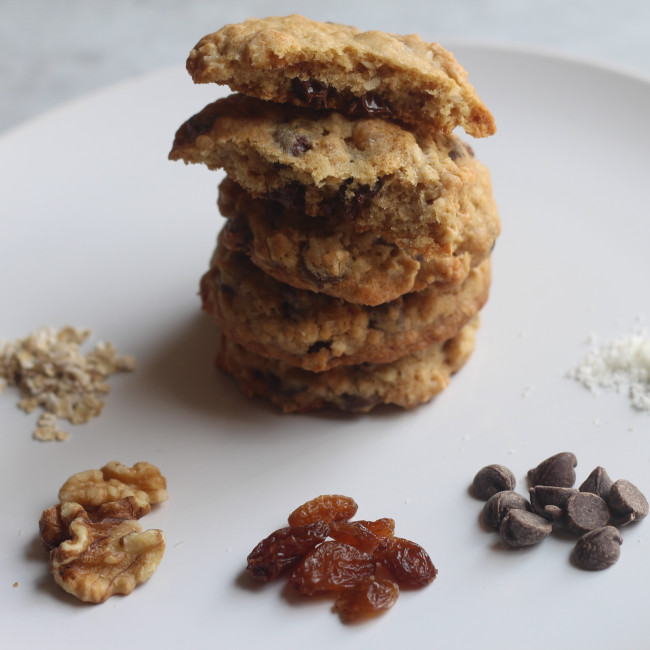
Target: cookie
324	65
318	332
329	256
406	382
410	188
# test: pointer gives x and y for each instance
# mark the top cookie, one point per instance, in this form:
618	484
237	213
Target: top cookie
325	65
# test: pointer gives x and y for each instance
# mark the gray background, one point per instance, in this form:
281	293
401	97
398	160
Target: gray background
54	50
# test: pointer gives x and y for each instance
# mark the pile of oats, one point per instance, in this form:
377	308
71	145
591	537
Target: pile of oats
52	373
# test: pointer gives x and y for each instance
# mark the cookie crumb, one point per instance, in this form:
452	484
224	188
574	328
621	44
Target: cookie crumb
52	374
15	584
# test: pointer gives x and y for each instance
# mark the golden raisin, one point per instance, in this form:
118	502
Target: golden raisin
407	562
371	596
283	549
332	566
325	508
364	535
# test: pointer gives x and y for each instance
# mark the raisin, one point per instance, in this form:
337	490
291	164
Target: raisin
283	549
407	562
371	596
364	535
331	567
325	508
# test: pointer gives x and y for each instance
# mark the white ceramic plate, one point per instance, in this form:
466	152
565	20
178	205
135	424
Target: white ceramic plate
100	231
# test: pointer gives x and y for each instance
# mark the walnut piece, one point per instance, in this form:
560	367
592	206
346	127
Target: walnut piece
52	373
105	557
113	482
54	530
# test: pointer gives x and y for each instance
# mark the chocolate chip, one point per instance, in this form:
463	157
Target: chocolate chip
290	197
198	124
319	345
291	311
492	479
348	201
314	93
627	503
550	502
586	511
358	403
370	104
521	528
598	482
300	145
500	504
236	235
556	470
598	549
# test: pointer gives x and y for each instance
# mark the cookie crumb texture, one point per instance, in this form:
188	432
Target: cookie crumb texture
356	253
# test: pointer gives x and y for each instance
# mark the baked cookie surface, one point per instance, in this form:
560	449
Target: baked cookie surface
318	332
330	256
406	382
410	188
325	65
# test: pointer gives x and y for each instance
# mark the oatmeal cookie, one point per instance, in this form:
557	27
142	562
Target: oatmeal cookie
408	187
318	332
406	382
325	65
330	256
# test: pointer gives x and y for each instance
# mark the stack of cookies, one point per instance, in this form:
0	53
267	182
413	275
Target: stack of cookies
356	253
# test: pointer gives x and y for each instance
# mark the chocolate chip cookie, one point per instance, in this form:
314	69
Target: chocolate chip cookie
328	66
318	332
406	382
330	256
411	188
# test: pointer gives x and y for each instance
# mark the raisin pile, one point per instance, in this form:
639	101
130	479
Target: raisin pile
324	551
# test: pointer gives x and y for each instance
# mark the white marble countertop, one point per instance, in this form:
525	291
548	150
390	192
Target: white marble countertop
52	51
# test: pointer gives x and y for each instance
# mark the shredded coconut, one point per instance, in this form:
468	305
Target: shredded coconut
51	372
622	365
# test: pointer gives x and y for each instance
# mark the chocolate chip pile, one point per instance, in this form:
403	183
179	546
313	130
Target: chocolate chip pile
363	564
356	253
594	511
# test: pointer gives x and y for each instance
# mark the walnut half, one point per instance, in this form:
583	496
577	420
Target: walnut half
113	482
105	557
